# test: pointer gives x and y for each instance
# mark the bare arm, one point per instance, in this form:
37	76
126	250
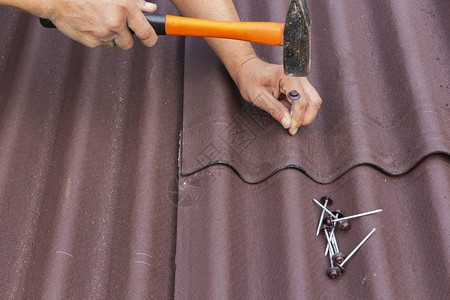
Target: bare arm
260	83
221	10
35	7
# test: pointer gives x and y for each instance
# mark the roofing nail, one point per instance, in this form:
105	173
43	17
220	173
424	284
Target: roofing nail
324	227
327	221
325	203
330	247
293	95
324	208
358	215
338	213
357	247
338	257
343	225
334	272
333	241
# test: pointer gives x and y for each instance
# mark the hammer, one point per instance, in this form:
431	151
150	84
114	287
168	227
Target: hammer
294	35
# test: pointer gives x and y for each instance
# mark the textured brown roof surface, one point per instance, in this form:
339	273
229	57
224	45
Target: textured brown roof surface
241	241
92	144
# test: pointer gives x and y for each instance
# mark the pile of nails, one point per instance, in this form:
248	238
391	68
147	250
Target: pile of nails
328	225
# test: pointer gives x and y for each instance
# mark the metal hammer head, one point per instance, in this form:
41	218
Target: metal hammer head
297	40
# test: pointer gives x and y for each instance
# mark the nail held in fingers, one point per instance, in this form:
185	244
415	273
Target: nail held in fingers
293	96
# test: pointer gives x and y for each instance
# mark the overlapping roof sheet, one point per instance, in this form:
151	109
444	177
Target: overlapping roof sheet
382	70
241	241
129	174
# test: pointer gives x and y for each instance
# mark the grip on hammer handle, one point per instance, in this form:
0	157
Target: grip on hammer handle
158	23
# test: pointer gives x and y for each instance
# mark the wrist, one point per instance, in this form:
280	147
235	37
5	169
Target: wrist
238	67
241	73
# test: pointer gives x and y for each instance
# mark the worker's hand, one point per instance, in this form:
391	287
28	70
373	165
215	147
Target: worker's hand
262	84
103	22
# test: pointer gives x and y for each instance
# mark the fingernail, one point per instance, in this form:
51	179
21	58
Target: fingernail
151	5
153	42
293	131
285	122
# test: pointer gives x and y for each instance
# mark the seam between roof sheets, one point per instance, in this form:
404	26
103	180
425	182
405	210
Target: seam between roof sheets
299	168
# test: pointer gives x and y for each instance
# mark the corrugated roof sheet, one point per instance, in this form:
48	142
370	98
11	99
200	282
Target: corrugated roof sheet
88	153
243	241
92	204
382	70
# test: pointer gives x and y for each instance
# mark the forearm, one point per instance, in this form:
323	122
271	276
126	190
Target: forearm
35	7
232	53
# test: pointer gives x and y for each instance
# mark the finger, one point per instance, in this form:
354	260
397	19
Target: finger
108	44
274	107
124	39
88	41
286	103
314	103
286	86
142	28
146	6
298	114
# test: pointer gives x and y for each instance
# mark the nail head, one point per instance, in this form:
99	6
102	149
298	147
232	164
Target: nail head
334	272
294	95
327	221
324	227
322	200
338	213
338	258
344	226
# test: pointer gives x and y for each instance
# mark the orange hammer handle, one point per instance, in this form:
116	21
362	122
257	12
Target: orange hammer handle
257	32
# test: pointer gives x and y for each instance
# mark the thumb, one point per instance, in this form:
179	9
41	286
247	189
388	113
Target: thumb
146	6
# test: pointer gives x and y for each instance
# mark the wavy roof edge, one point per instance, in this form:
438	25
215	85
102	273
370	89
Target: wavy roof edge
315	179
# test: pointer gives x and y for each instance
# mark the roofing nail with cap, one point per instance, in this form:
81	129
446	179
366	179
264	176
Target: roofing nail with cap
332	233
333	240
338	256
330	247
332	272
358	215
324	200
293	95
357	248
324	208
343	225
